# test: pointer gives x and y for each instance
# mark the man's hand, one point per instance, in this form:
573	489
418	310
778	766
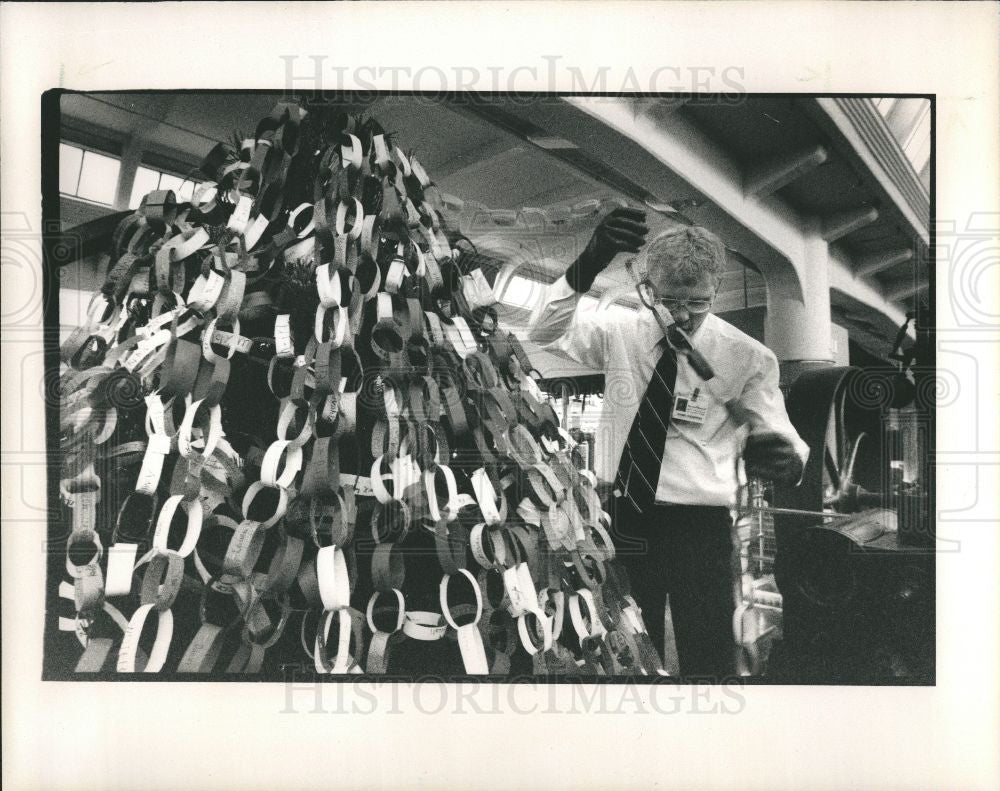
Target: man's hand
621	231
771	456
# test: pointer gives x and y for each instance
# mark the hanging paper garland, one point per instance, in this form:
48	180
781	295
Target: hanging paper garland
302	350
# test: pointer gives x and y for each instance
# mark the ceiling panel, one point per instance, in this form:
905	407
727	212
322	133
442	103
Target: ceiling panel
831	187
439	137
877	238
755	129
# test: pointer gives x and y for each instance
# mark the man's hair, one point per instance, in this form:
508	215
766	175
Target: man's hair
687	253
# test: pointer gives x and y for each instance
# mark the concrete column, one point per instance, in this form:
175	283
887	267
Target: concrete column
130	161
798	324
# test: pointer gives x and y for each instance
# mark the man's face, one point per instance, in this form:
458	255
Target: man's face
676	294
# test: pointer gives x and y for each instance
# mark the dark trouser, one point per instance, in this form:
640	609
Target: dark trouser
685	551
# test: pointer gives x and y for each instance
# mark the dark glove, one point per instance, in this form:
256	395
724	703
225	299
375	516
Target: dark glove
772	457
621	231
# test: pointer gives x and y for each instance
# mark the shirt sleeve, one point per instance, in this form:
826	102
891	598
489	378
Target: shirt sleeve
763	398
555	323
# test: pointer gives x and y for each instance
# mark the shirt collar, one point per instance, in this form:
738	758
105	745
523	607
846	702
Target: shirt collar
706	327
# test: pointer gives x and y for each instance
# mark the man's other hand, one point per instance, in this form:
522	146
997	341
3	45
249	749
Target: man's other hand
771	456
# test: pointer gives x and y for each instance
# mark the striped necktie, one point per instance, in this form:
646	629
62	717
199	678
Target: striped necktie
642	456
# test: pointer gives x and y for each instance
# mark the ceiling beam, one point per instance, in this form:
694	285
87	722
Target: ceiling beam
868	145
837	226
872	264
770	176
864	293
905	291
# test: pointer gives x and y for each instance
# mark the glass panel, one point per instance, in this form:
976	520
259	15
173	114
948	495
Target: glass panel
69	168
168	182
186	190
98	178
146	180
522	292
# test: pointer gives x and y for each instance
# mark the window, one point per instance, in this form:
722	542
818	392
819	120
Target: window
522	292
88	175
149	179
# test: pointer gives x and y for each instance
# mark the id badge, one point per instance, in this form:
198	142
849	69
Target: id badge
690	407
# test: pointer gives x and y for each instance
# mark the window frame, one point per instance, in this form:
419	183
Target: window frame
85	149
163	171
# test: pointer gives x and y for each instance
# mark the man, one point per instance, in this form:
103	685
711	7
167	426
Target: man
674	441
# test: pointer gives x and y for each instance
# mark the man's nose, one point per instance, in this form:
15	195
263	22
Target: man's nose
680	314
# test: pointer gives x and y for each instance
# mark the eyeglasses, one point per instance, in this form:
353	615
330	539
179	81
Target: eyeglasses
674	334
650	299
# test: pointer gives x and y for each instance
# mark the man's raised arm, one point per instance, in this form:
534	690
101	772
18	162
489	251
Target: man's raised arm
621	231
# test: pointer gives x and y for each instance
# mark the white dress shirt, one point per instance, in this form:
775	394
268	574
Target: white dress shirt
699	458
